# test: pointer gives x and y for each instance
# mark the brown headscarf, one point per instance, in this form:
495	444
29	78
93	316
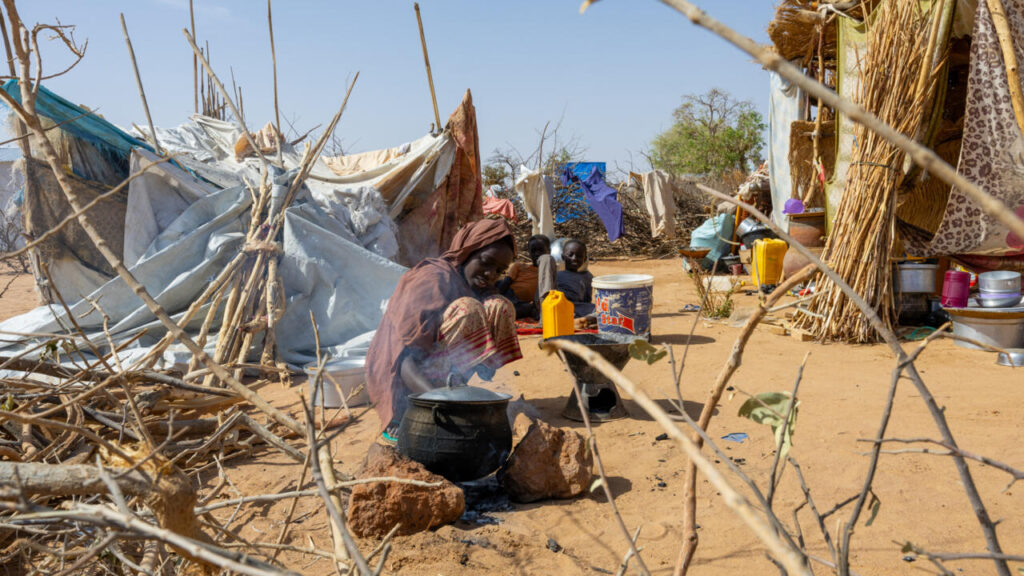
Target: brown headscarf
413	318
476	235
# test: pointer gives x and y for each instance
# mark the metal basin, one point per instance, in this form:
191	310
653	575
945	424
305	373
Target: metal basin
1012	357
998	327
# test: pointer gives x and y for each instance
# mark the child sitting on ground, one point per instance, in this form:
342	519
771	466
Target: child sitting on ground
574	284
521	286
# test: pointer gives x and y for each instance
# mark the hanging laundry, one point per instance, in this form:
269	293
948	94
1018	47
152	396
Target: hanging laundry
602	198
660	199
536	191
499	206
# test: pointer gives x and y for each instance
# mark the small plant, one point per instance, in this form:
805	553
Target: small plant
716	303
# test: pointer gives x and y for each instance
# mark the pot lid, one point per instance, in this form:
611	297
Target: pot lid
462	394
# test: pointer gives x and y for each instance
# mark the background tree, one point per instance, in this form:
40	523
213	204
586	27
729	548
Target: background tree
495	173
713	134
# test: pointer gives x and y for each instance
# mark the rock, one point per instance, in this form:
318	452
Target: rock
374	509
548	462
521	414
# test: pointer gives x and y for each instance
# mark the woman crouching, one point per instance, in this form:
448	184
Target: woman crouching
444	320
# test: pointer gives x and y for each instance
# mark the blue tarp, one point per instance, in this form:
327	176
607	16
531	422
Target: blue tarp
115	144
570	203
601	197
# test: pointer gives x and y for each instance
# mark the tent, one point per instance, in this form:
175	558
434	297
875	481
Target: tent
180	223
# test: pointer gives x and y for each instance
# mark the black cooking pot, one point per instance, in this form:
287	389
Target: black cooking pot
460	433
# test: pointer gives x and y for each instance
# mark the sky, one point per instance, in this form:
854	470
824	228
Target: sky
609	79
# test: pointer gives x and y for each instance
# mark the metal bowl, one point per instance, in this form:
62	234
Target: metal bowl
998	299
1013	357
999	281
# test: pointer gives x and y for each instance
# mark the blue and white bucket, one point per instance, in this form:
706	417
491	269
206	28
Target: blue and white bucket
624	304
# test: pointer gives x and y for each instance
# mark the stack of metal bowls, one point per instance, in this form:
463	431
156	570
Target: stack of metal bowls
999	289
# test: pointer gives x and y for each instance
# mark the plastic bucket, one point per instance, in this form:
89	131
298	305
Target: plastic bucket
624	304
349	373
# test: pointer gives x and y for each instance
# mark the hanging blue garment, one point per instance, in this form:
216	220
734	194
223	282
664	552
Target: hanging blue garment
601	197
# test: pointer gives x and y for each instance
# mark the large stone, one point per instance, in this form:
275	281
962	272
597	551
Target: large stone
548	462
374	509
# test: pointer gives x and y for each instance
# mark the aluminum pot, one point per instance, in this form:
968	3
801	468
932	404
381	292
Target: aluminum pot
751	230
915	278
460	433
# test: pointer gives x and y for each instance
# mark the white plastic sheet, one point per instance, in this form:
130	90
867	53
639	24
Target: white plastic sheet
786	105
324	268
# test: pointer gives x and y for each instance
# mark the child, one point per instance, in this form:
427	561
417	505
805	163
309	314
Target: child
521	285
574	284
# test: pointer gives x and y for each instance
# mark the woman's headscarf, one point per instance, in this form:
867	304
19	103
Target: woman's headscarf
474	236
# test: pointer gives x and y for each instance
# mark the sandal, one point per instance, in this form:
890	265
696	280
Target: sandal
390	434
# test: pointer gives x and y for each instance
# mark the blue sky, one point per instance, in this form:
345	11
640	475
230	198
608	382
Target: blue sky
612	75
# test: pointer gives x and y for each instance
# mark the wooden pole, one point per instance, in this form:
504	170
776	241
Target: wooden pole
273	59
21	132
426	60
138	82
1005	35
195	60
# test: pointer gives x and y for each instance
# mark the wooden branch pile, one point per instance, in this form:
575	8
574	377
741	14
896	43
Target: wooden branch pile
636	241
93	453
897	85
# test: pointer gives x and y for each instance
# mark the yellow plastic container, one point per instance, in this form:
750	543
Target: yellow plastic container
556	314
767	262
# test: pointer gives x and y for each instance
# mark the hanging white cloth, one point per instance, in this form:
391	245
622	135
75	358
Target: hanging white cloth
536	190
659	196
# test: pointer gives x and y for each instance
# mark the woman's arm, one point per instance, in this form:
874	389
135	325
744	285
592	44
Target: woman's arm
413	376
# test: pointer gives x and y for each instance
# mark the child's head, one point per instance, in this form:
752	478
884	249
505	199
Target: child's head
574	253
538	245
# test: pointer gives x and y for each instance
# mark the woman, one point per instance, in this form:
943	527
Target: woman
444	320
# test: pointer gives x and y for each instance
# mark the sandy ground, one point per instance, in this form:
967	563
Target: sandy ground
842	397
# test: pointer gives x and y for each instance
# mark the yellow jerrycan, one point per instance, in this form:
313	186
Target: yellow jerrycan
766	268
556	314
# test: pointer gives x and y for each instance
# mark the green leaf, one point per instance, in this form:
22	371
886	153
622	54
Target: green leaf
874	505
770	408
643	350
907	547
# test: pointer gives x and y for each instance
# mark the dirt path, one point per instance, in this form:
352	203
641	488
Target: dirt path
842	396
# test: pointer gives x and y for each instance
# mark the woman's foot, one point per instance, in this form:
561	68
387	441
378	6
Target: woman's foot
390	434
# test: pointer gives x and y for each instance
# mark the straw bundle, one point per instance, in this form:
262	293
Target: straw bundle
796	29
802	164
896	85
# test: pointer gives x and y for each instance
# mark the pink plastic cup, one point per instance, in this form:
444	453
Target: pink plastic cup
956	287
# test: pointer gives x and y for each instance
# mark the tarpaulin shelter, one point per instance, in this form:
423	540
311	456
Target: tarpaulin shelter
178	224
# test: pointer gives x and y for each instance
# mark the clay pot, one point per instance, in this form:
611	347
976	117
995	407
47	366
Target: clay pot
808	228
794	260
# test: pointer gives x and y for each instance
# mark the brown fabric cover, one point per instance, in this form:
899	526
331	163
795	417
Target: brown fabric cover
425	230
